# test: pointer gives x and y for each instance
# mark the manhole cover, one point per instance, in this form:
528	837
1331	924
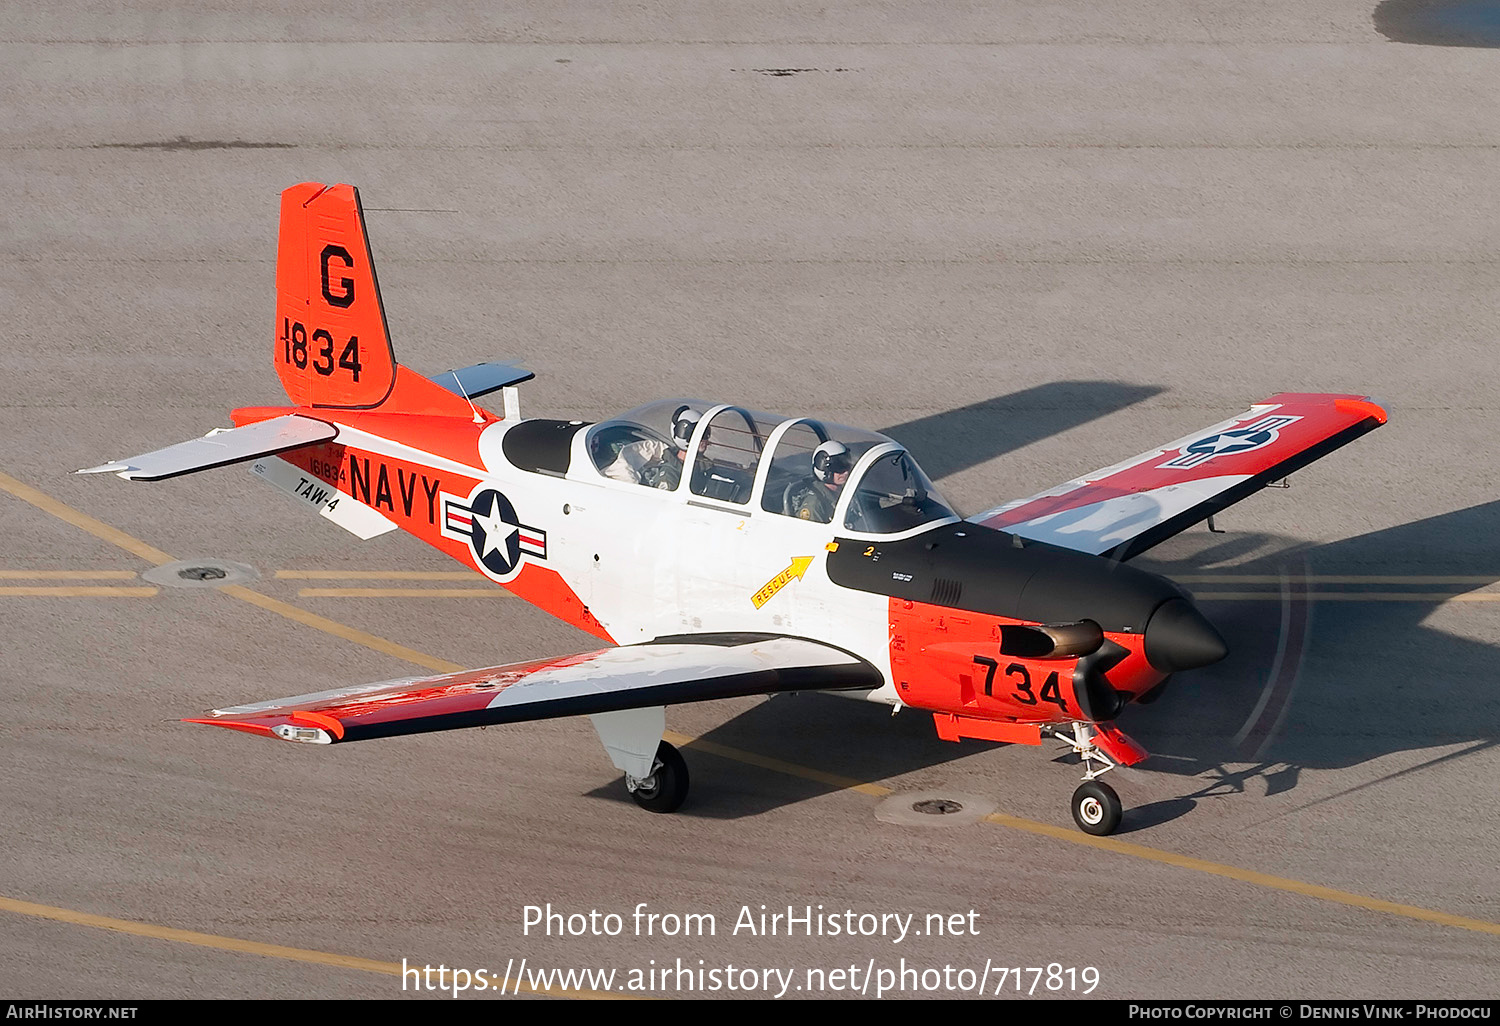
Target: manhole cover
203	573
937	806
933	811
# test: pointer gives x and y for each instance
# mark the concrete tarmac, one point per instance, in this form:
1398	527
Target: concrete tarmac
1028	240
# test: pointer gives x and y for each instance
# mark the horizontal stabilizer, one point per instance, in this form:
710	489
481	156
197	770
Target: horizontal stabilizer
482	379
221	447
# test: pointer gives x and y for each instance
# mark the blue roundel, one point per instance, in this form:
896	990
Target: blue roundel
497	531
1232	441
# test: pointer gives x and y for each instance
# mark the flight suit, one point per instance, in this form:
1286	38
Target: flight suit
812	500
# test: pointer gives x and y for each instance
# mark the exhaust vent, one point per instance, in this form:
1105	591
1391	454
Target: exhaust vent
946	591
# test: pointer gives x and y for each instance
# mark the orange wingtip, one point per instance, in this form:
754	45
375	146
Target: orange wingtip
313	719
248	728
1360	406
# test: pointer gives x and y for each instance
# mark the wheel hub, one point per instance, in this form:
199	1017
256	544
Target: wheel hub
646	786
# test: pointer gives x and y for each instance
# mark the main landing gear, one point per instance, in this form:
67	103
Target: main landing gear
655	774
665	787
1096	807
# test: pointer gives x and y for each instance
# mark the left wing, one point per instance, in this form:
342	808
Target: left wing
1125	509
668	671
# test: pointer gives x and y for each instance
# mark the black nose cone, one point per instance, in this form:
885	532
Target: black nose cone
1179	638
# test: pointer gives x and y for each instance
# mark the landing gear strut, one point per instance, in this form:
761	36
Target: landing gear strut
665	787
1096	806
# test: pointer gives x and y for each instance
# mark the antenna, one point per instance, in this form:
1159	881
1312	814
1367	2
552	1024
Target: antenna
478	418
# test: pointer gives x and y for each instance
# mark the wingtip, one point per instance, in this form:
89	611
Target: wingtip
248	728
1367	406
124	471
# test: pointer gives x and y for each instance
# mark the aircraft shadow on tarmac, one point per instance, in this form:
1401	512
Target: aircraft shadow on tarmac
1307	685
1440	22
1374	679
948	443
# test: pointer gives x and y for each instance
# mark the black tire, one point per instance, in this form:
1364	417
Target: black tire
666	789
1096	808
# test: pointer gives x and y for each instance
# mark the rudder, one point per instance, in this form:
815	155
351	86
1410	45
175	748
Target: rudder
332	346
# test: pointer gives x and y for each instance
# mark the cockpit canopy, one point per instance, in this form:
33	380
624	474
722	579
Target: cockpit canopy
745	458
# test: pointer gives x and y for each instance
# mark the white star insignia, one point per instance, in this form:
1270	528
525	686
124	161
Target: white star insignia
1225	442
497	531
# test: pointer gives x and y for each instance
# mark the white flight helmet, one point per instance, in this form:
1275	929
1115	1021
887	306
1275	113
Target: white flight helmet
831	458
684	423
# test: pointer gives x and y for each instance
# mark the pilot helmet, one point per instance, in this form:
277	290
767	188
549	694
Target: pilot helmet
684	423
831	458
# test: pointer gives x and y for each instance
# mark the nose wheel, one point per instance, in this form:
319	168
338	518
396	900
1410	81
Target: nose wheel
666	786
1096	808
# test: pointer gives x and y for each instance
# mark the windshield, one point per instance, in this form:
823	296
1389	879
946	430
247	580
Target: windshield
893	496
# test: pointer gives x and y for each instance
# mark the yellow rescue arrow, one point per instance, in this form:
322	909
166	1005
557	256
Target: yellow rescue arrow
792	573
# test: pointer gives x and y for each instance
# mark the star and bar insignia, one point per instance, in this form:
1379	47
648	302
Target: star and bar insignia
487	521
1252	436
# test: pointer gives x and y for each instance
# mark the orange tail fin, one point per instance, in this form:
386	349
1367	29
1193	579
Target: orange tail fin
332	347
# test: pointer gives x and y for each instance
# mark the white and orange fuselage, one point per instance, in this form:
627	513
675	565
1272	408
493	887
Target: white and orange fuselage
629	564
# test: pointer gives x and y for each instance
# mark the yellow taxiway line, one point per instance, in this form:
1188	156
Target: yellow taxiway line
1232	578
497	592
98	528
493	592
249	947
68	575
76	591
1139	851
339	630
154	555
1349	596
377	575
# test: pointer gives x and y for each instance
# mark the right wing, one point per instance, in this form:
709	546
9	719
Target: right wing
668	671
1125	509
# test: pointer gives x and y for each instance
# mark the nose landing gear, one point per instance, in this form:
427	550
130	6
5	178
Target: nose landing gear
1096	806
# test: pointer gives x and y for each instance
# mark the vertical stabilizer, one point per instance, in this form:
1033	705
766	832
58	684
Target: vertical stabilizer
332	347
